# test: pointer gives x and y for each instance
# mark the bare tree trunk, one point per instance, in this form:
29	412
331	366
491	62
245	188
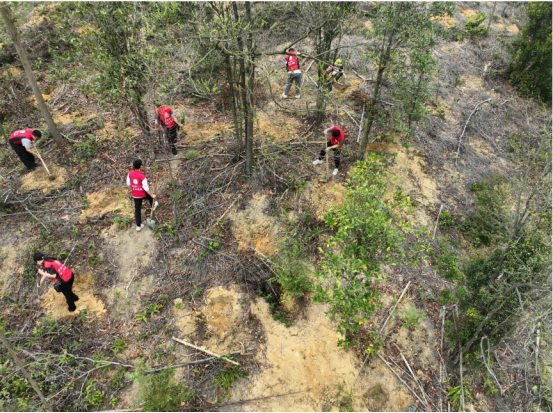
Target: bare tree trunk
46	405
230	80
371	111
52	128
491	17
250	110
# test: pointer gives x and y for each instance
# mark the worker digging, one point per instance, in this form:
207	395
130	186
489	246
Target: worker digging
294	73
335	137
21	142
164	119
60	275
140	191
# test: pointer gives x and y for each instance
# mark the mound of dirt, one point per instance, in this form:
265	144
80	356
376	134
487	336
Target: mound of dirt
133	250
54	304
306	356
368	25
38	179
108	200
203	132
276	125
223	314
253	228
445	20
324	196
12	71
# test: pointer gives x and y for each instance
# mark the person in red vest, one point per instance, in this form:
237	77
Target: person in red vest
60	275
335	137
165	119
21	143
294	73
139	187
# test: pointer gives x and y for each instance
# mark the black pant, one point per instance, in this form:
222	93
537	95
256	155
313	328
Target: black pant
70	296
336	151
138	208
27	158
171	135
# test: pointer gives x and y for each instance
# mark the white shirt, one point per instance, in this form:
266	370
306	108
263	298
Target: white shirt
26	143
144	183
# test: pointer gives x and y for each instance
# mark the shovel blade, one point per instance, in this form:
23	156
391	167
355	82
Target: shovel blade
151	223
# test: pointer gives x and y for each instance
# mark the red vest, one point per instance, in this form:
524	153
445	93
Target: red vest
164	114
339	139
136	177
19	134
64	272
292	62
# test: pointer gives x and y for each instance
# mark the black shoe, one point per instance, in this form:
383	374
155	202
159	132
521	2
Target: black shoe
72	309
76	298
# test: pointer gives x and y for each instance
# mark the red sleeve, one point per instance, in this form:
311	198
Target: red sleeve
28	134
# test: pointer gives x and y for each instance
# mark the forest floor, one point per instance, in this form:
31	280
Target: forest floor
201	282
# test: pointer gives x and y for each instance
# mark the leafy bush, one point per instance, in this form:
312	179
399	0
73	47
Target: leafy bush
473	27
86	150
412	316
445	261
446	219
489	222
530	68
228	376
369	231
161	394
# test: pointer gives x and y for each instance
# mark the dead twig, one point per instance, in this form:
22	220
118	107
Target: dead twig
437	221
465	127
400	379
205	351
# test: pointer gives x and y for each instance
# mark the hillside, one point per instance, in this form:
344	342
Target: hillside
251	249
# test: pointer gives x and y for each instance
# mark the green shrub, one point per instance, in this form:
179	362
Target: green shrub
445	261
412	316
163	395
446	219
530	66
228	376
473	27
489	223
86	150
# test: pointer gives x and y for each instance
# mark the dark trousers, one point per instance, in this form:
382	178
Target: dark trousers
70	296
138	208
337	153
171	135
27	158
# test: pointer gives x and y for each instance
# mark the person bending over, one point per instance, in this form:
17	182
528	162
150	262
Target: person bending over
60	275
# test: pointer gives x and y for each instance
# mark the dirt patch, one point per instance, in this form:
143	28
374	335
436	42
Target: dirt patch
72	117
109	200
376	397
111	130
306	356
223	315
38	179
203	132
445	20
344	90
468	13
325	196
44	96
12	71
253	228
9	265
481	146
186	321
133	250
54	304
368	25
472	82
276	125
439	108
513	28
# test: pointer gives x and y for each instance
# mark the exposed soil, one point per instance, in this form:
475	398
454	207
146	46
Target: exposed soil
54	304
9	265
223	315
253	228
323	196
38	179
108	200
133	251
276	125
446	21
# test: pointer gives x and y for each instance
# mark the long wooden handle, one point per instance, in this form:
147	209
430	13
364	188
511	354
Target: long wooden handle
327	170
43	163
205	351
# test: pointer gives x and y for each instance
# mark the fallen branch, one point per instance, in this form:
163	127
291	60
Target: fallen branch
46	210
382	328
488	367
466	124
205	351
415	378
361	124
437	220
400	379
